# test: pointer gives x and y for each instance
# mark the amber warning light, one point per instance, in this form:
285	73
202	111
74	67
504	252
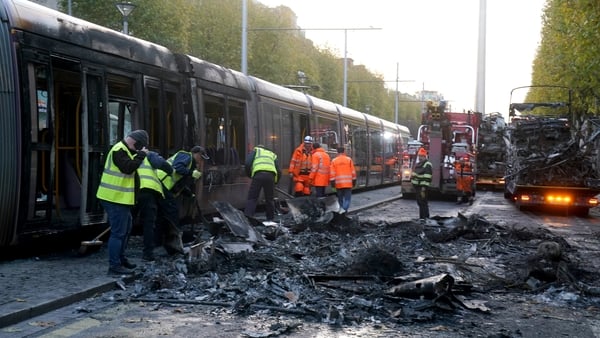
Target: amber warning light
559	199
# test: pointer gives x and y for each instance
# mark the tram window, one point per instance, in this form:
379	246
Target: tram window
120	86
289	136
360	145
326	134
347	139
154	127
42	107
171	109
121	107
356	147
237	133
215	128
376	146
270	132
281	129
393	144
275	134
41	84
225	130
120	120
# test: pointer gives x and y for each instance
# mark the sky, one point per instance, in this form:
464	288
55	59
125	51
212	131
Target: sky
431	44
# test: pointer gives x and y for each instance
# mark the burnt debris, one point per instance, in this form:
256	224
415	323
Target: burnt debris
351	272
546	151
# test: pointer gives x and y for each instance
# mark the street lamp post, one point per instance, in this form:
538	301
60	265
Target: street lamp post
302	80
301	77
125	8
396	104
346	59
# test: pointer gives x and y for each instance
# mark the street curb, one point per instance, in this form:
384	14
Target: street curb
374	204
52	303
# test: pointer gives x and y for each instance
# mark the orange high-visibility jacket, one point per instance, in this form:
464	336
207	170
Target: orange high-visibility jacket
300	164
319	172
342	171
463	173
462	168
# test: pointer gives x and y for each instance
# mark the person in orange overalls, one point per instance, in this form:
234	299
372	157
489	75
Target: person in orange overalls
300	166
343	178
464	180
319	172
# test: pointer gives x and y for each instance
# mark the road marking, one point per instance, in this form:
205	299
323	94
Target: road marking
74	328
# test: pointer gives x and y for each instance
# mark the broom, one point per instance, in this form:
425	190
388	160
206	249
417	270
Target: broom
96	242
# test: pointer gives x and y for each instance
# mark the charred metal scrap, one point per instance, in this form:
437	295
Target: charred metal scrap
491	148
438	289
543	151
309	210
397	273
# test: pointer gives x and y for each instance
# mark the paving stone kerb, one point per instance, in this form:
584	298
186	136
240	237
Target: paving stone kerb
37	285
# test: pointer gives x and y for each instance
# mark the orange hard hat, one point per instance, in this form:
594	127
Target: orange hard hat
422	152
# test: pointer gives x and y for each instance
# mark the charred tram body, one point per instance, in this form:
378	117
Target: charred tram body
71	89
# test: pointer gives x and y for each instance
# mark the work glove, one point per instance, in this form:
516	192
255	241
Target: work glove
141	154
423	192
196	174
332	183
354	183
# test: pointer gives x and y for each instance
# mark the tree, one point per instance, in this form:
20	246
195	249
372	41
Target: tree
277	47
568	53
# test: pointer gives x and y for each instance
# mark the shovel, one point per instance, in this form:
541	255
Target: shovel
96	242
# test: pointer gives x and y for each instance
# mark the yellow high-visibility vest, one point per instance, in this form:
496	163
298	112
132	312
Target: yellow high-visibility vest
116	186
148	177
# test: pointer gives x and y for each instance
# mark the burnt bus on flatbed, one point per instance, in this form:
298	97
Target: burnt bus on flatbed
549	163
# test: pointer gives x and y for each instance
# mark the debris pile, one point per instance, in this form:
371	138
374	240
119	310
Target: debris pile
393	273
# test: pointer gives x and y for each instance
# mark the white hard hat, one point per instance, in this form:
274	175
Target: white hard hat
308	139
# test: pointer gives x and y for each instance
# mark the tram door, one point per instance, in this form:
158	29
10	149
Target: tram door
38	168
54	170
92	146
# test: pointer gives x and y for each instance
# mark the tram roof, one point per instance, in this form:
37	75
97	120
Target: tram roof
280	93
30	17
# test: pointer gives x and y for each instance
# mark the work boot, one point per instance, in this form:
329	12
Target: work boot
459	200
127	264
471	201
118	271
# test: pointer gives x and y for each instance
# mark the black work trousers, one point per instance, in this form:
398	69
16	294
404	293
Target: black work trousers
265	181
167	219
147	209
422	202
